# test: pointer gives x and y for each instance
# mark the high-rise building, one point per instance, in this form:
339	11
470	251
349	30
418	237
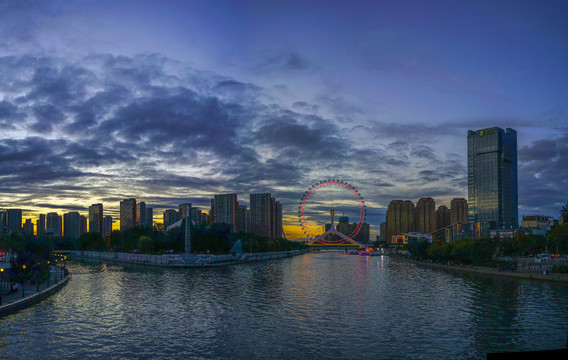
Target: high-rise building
276	220
442	217
40	225
127	213
425	215
14	220
3	220
72	225
364	234
400	218
170	217
107	224
383	232
141	213
226	209
28	227
242	219
184	210
96	218
83	227
196	214
458	211
212	212
492	176
149	216
53	224
205	218
261	214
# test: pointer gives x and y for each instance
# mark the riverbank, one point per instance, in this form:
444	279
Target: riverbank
186	260
489	271
29	294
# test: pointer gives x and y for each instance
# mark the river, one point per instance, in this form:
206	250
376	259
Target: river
313	306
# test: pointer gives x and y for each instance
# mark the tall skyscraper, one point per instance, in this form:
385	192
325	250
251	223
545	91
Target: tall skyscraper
149	216
426	215
400	218
492	176
83	227
72	225
40	225
212	212
442	217
170	217
107	224
141	213
196	214
127	213
14	220
458	211
226	209
260	214
28	227
96	218
184	210
53	224
242	218
3	220
276	220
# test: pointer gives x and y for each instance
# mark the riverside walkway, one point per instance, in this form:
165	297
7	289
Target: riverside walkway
187	260
31	294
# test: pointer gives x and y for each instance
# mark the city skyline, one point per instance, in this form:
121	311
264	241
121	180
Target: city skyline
185	100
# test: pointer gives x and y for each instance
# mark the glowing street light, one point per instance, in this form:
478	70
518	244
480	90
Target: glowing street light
1	283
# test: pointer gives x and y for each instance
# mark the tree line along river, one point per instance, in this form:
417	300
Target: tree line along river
323	305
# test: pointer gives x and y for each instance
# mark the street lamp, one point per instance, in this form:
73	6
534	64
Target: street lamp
48	273
1	283
22	281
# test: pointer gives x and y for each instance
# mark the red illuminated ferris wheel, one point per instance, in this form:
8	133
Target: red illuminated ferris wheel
315	201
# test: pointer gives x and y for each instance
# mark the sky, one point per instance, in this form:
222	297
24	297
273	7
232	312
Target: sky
175	101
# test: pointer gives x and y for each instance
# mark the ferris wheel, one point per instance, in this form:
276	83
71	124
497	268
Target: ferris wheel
335	196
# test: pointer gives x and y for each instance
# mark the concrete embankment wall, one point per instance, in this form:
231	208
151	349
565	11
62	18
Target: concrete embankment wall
490	271
28	301
182	260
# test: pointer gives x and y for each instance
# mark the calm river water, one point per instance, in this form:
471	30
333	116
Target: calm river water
314	306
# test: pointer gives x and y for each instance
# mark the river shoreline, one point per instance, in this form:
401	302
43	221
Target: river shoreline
186	261
12	306
489	271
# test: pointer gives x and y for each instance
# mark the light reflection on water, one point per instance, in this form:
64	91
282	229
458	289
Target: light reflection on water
322	305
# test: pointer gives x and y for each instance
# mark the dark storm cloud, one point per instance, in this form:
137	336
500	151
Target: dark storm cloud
282	61
183	118
543	175
89	113
304	106
137	71
34	160
65	207
46	116
8	114
422	151
129	111
126	126
60	86
309	138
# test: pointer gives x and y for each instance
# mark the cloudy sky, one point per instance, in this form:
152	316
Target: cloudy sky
174	101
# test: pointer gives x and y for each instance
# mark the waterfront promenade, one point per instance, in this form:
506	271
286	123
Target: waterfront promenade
489	271
31	294
187	260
